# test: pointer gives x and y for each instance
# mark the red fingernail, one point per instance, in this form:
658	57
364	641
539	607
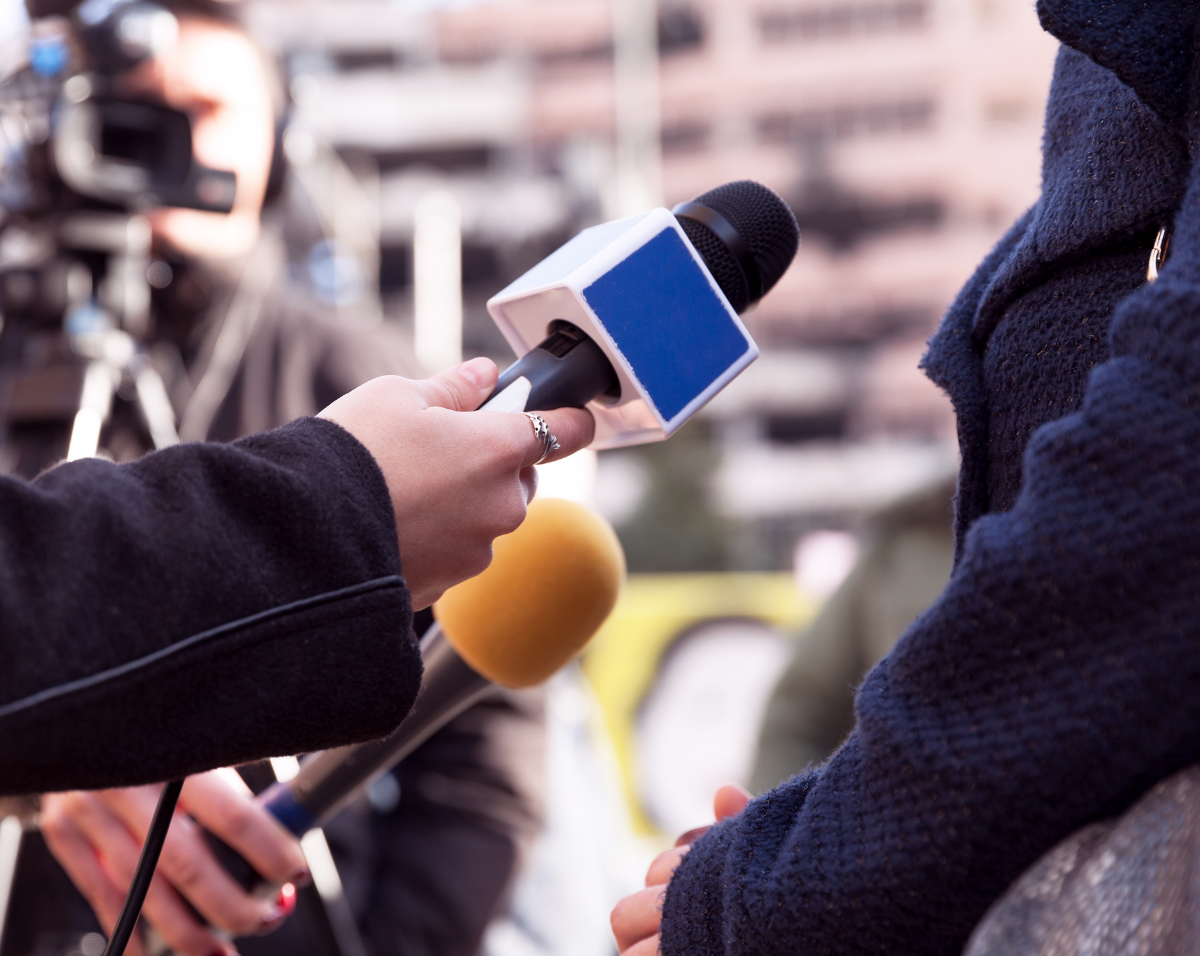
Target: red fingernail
284	904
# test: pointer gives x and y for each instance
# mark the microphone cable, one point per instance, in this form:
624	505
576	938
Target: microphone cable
147	861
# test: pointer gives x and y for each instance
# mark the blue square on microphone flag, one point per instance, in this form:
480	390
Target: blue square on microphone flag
666	319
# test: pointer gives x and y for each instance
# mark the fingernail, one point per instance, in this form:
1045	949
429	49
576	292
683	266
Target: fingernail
687	839
281	909
480	372
286	900
271	919
302	878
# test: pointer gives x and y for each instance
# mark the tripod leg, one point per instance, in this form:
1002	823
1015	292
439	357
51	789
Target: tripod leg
153	402
95	403
11	832
328	885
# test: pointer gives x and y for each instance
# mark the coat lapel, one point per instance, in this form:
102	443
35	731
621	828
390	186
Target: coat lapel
1148	45
1111	168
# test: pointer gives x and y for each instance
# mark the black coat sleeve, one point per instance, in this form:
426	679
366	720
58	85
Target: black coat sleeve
207	605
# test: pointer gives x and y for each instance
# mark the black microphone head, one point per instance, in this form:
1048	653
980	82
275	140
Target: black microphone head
746	235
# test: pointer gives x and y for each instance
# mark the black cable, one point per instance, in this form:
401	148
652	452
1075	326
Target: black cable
151	849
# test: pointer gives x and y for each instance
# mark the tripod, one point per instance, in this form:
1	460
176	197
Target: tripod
76	308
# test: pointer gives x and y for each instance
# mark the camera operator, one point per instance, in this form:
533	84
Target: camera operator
453	481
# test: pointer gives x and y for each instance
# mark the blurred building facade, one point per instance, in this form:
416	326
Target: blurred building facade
904	133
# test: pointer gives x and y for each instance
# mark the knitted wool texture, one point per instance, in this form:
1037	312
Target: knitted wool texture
1055	680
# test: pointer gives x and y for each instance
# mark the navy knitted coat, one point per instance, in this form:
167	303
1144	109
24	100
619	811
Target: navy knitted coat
1058	677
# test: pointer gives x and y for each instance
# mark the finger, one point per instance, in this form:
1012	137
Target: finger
638	916
188	865
529	483
179	929
119	851
462	388
646	947
691	836
573	428
232	814
730	800
664	865
79	859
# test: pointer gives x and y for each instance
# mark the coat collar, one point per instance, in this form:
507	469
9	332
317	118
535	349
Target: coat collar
1148	44
1111	169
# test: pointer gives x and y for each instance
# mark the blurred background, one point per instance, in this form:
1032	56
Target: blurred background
792	530
904	134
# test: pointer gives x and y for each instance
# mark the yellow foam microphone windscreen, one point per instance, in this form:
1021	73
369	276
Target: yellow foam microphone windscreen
550	586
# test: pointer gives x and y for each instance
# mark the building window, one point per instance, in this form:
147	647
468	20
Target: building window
680	28
687	137
841	20
847	121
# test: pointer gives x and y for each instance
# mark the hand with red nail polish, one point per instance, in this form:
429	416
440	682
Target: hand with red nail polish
284	905
97	837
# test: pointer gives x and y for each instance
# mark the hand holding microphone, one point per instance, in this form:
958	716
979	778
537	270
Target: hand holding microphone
635	319
97	835
553	583
550	587
456	480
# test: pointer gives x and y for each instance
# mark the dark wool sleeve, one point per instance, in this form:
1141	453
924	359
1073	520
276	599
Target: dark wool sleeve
1053	683
207	605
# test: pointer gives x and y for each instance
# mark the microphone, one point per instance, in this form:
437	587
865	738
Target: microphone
638	318
551	584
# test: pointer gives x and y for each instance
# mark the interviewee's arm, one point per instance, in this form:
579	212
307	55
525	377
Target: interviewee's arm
212	604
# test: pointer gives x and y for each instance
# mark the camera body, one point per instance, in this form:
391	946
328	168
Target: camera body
81	164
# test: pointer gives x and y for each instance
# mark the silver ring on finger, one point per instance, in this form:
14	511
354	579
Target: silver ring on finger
541	431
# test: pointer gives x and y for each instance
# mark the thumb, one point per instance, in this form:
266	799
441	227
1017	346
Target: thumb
730	801
462	388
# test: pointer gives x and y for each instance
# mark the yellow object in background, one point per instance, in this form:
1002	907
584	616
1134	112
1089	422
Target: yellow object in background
654	613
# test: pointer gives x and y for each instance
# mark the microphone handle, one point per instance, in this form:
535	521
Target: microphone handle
566	370
328	780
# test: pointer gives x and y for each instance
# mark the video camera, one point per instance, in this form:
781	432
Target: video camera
80	164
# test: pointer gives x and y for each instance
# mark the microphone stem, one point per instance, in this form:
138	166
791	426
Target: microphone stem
566	370
327	781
